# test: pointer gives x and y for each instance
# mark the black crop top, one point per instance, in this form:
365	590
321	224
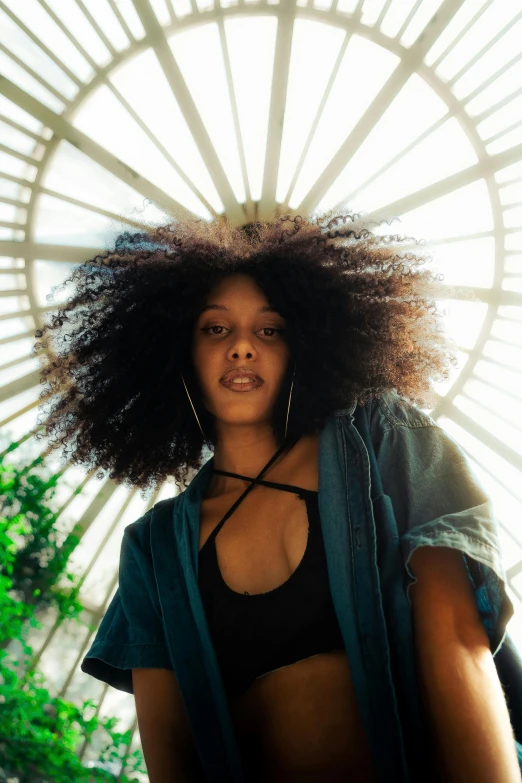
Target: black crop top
255	634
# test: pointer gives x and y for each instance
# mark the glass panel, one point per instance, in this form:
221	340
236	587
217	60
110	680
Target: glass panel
500	53
15	73
502	118
395	16
18	428
16	140
507	331
307	79
60	655
58	222
105	563
507	475
162	12
420	20
18	401
184	8
375	64
105	17
462	320
443	387
513	217
50	273
511	311
458	213
13	304
504	430
18	371
457	23
508	355
14	112
468	263
510	380
16	326
441	154
344	6
133	147
129	13
481	32
36	18
206	80
143	84
8	262
511	193
16	167
9	189
18	42
8	213
15	349
77	23
513	241
71	172
495	400
509	172
506	141
391	135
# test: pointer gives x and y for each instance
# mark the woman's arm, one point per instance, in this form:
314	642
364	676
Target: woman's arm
165	732
459	685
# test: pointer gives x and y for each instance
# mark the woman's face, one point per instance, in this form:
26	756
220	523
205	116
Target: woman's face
230	332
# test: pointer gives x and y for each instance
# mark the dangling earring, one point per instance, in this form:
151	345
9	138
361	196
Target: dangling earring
193	408
196	415
289	400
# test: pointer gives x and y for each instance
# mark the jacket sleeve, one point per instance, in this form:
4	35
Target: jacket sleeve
438	501
130	634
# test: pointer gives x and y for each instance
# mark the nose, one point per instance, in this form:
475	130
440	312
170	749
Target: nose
241	348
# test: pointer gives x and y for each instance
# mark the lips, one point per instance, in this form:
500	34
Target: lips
241	373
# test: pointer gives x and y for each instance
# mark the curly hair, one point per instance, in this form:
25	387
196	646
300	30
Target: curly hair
361	320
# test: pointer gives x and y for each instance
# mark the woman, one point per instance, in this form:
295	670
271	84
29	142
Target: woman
244	342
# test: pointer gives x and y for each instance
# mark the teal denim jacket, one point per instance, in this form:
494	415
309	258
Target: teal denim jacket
390	480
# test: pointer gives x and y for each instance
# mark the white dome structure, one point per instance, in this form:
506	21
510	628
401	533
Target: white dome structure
113	112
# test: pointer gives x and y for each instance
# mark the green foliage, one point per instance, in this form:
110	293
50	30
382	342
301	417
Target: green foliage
41	736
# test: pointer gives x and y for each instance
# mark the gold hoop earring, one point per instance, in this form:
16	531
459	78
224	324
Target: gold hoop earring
193	408
289	401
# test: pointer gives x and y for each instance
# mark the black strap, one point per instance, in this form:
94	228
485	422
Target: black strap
288	444
274	484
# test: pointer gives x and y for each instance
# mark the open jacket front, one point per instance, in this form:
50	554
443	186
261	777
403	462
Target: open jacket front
390	480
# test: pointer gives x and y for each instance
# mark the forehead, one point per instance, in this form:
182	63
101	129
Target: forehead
236	285
237	292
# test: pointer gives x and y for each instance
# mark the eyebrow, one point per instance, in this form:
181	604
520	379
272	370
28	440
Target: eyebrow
266	309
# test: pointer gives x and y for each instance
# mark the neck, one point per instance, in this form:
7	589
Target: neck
246	456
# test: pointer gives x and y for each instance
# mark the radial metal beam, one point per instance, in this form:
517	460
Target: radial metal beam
480	170
412	58
180	91
283	47
28	381
66	130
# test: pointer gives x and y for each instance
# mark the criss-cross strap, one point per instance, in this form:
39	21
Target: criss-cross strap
276	485
288	444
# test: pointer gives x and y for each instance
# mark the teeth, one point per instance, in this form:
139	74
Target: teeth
242	380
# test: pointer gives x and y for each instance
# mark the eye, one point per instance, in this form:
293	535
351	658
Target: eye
208	330
271	329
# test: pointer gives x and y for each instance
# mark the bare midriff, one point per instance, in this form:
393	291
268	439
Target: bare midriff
300	722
